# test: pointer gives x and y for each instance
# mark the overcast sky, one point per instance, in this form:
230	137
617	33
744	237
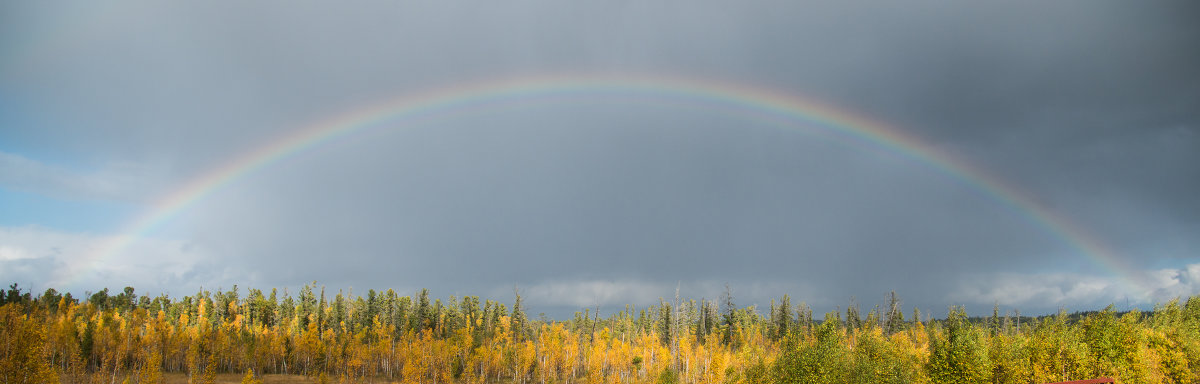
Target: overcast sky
1090	109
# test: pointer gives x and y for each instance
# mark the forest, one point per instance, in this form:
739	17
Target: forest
387	337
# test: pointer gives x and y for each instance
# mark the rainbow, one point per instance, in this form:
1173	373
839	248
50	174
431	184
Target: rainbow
740	98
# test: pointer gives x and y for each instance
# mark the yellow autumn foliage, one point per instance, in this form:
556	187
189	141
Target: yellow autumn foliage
394	339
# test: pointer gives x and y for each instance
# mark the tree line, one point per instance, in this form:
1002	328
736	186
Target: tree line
387	337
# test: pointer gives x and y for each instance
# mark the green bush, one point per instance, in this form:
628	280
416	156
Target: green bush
957	355
824	360
667	376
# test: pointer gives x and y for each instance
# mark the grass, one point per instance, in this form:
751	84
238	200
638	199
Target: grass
233	378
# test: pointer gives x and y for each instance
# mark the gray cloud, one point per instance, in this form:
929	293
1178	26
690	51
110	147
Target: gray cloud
1089	109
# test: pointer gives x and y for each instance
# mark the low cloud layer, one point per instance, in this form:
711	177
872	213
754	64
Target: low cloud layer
39	258
1048	290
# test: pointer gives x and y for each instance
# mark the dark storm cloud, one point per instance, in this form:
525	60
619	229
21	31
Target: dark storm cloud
1088	108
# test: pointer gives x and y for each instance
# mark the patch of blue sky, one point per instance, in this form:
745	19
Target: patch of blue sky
21	208
26	132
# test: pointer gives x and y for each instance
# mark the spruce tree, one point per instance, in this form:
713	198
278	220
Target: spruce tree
783	317
730	321
519	320
424	313
895	316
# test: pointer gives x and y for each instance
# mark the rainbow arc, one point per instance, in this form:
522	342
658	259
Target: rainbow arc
745	100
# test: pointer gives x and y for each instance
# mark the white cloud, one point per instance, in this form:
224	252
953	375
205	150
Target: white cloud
43	258
1072	289
116	181
1169	283
13	253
